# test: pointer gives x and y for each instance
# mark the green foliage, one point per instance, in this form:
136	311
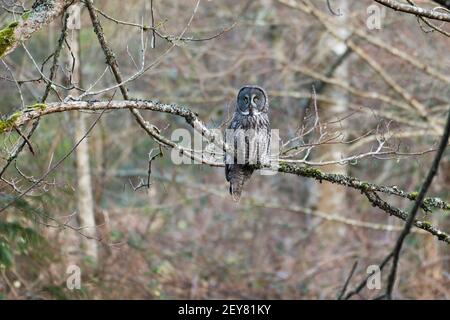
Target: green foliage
16	236
6	256
56	292
26	15
9	122
39	106
6	124
7	37
60	292
116	235
14	230
135	241
16	239
22	206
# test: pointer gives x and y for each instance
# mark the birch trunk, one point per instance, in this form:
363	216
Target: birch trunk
330	196
85	200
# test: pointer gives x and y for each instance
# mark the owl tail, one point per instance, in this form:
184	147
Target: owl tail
237	183
236	190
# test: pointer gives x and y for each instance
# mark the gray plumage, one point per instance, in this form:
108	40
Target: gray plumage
249	135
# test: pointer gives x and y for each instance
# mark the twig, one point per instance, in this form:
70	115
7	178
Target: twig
149	171
153	42
52	75
25	139
423	190
431	14
363	283
335	13
344	288
56	165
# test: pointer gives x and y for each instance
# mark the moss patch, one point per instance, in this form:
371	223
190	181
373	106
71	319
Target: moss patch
7	37
37	106
413	195
26	15
7	123
365	186
426	225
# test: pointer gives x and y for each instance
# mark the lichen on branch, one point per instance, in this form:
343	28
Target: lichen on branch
7	38
370	190
42	14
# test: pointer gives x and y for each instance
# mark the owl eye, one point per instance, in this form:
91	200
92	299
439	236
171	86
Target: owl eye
255	99
245	99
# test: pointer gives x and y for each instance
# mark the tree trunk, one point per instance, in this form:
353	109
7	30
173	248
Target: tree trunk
331	196
85	200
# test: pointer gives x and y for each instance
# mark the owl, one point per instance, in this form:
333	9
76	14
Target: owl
248	135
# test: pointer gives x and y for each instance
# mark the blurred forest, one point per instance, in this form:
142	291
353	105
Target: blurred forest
350	95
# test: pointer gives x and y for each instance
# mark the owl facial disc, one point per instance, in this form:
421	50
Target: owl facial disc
251	101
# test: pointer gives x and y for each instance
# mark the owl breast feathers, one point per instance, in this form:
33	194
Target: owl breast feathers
248	135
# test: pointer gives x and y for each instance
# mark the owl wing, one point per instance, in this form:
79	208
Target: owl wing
236	173
264	147
227	171
230	139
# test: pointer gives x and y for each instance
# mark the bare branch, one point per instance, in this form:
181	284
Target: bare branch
420	198
41	15
418	11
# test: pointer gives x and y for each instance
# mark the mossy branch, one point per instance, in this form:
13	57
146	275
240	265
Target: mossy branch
363	186
41	15
370	190
7	38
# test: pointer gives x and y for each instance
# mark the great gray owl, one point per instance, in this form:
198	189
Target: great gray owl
249	135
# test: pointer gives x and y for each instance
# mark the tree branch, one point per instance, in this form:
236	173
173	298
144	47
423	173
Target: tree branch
370	190
42	14
444	3
423	190
52	75
418	11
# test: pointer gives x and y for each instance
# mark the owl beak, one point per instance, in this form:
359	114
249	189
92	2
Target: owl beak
252	107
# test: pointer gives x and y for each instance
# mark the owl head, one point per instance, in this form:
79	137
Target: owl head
252	101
